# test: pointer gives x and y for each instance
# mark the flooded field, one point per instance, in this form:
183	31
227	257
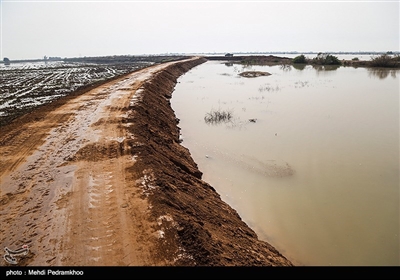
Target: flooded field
309	156
27	85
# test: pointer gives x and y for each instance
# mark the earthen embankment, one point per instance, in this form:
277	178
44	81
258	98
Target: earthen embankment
198	227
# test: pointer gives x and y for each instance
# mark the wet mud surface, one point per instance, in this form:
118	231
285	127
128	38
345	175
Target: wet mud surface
100	179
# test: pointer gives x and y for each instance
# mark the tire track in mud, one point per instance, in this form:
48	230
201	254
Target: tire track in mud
64	189
100	221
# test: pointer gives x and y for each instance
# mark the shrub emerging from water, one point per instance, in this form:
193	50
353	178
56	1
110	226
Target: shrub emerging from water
300	59
326	59
218	116
385	60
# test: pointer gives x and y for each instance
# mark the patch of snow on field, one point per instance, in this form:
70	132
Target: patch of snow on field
28	85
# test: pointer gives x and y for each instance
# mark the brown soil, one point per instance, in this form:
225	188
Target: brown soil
100	179
254	74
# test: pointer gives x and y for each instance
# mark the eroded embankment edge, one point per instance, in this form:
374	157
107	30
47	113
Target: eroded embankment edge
196	226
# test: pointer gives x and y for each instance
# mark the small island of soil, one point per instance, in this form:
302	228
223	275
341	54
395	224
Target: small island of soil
253	74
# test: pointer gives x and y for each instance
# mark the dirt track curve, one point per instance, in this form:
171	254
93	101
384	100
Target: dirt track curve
73	159
93	182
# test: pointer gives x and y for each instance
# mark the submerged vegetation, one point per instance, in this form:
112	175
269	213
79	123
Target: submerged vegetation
320	59
326	59
218	116
268	88
301	59
386	60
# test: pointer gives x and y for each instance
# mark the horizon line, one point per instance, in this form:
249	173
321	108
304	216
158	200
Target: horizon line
234	52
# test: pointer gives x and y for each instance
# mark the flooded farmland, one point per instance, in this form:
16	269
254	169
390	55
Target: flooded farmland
27	85
309	156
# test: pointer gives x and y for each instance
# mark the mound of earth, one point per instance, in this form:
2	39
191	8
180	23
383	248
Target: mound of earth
253	74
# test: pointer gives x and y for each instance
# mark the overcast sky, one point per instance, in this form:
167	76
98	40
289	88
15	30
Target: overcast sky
33	29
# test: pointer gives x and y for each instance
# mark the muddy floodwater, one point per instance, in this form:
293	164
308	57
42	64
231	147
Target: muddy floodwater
309	157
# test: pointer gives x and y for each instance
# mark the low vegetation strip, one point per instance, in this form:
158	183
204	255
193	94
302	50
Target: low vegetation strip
382	61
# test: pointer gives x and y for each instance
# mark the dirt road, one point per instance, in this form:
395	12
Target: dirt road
64	187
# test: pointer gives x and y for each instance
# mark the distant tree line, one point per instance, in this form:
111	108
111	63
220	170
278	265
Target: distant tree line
55	58
388	60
